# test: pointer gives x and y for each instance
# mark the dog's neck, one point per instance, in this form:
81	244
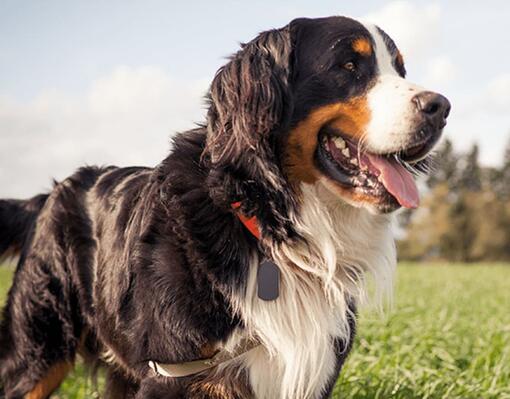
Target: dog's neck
323	275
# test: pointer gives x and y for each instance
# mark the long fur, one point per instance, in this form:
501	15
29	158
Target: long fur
16	220
322	277
249	104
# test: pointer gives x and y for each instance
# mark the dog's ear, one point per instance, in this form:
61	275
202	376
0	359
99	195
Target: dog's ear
249	106
248	96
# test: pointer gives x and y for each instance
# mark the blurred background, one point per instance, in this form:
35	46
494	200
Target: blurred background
96	82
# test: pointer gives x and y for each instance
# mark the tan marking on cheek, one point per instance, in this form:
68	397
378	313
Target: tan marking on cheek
400	59
349	117
362	46
50	381
353	120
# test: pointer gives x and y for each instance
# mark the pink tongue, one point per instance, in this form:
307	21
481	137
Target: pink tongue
398	180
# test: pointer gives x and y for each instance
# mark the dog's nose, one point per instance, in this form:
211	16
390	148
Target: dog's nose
433	106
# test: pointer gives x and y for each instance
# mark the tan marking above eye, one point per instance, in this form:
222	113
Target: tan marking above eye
362	46
399	58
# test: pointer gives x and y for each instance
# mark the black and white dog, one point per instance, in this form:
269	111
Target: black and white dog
311	141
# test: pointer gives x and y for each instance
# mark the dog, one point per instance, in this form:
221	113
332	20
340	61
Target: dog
233	269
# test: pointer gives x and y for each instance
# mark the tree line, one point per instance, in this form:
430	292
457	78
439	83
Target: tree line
465	212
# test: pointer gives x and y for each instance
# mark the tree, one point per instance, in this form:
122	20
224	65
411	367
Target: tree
470	178
428	226
504	178
465	215
444	166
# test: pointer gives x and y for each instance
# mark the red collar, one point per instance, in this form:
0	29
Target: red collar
268	274
252	224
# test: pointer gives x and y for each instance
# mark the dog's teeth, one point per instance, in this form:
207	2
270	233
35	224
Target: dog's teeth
354	161
339	142
346	152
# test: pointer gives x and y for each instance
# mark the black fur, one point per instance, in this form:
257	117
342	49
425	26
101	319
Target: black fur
17	219
142	260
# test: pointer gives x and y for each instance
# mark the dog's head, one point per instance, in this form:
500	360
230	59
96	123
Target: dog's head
321	101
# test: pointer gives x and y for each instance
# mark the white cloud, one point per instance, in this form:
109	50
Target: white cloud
416	30
483	117
124	118
440	71
498	94
413	27
492	99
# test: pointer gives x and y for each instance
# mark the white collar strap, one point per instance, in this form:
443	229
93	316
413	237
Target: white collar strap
196	366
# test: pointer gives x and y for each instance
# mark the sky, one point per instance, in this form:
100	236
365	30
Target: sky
109	82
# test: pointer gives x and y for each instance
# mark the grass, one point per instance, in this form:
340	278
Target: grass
448	336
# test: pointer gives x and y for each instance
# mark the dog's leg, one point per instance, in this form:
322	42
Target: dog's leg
39	332
119	387
342	350
158	388
34	381
50	381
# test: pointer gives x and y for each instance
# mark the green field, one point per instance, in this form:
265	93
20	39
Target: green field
448	336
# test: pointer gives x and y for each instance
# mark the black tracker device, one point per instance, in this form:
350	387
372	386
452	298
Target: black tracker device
268	280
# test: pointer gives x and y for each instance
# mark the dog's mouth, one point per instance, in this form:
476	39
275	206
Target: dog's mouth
384	178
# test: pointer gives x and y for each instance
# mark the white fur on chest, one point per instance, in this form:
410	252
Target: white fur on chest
318	277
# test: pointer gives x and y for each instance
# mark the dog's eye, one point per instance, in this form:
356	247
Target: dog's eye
350	66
